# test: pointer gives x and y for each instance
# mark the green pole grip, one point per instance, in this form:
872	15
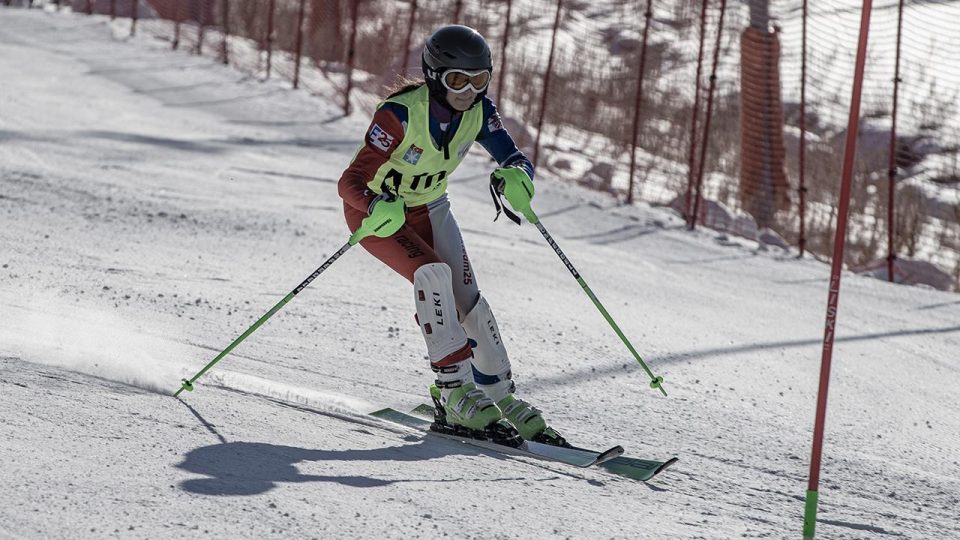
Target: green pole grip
810	515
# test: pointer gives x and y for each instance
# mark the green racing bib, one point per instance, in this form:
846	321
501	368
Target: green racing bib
417	170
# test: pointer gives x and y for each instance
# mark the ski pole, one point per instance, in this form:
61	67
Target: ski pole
656	382
367	228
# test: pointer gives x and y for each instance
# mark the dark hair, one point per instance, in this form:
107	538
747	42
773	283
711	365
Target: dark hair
403	84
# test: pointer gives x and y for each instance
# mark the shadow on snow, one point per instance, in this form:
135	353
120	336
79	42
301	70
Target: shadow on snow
249	468
602	372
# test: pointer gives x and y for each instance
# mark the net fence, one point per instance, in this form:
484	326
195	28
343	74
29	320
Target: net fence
733	113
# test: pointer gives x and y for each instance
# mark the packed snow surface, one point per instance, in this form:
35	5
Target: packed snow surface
154	204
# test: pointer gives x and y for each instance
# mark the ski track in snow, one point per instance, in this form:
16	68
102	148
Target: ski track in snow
154	204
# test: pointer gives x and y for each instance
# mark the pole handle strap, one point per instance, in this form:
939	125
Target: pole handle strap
496	193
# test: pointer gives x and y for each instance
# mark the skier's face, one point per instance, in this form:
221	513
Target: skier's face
461	101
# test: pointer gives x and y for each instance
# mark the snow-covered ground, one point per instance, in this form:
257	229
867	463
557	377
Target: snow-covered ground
154	204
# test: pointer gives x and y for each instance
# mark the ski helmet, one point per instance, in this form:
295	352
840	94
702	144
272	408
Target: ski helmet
454	47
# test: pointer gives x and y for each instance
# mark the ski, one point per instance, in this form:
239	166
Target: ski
581	457
616	463
570	456
611	459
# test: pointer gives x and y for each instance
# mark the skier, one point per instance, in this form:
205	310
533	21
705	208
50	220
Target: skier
415	141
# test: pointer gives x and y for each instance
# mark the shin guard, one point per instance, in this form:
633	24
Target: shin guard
437	315
491	365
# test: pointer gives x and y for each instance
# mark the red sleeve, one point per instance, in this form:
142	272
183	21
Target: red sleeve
382	138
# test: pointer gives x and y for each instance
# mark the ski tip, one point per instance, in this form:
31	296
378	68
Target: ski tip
637	469
616	451
607	455
666	464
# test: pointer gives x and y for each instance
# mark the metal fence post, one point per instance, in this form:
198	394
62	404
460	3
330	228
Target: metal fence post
406	42
696	114
636	107
802	190
351	52
706	121
503	57
200	24
299	51
224	53
457	11
546	83
176	24
892	164
269	36
135	16
113	9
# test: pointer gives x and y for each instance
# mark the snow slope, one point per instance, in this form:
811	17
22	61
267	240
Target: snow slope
154	204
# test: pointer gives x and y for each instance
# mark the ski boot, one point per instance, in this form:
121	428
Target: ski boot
492	375
529	421
467	412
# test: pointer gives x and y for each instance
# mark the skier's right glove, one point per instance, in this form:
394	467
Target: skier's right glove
386	215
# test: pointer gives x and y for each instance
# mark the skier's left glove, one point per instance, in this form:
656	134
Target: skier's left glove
515	184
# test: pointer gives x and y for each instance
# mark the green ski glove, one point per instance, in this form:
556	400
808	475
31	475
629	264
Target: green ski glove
386	217
515	184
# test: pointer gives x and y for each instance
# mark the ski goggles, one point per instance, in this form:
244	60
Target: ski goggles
459	81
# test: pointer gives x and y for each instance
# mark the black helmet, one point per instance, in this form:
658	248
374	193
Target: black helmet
454	47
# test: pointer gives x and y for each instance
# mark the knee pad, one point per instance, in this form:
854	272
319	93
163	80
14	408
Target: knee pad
437	315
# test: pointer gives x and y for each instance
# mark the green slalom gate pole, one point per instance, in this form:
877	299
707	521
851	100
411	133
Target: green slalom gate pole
361	233
656	382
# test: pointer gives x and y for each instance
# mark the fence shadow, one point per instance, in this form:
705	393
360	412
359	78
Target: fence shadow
223	101
178	88
206	146
620	234
594	372
940	305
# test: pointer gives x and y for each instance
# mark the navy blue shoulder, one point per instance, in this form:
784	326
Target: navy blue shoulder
489	109
493	136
